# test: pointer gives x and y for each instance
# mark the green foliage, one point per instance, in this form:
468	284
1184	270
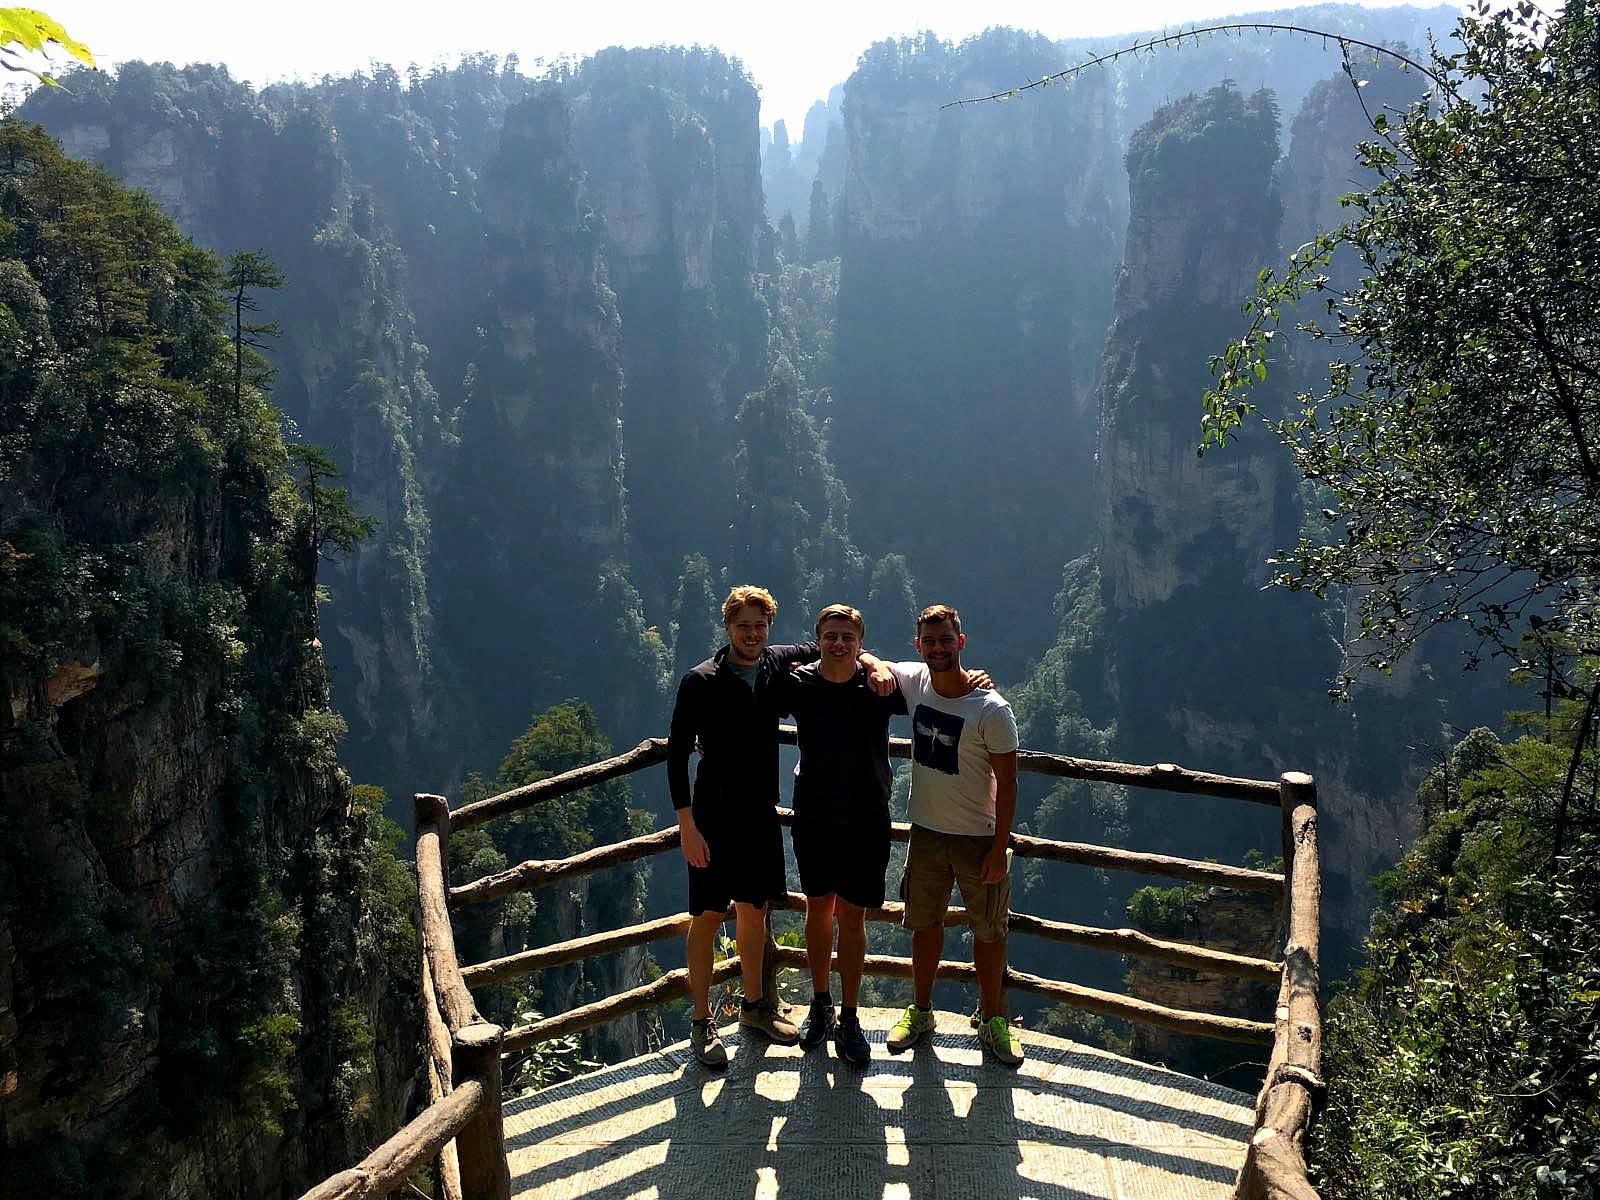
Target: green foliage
1455	438
148	538
327	518
560	739
266	1087
28	29
547	1063
1165	911
1465	1059
793	527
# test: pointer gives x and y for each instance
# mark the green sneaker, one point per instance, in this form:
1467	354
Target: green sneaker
913	1023
995	1033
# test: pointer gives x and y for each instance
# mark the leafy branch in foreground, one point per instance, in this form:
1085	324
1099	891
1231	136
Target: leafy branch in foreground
26	31
1457	438
1197	33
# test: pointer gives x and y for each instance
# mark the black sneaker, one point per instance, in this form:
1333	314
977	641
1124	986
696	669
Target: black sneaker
850	1042
817	1024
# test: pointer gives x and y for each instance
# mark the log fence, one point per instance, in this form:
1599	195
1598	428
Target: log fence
461	1131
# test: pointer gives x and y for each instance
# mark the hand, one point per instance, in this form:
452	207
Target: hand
995	864
879	677
695	851
978	679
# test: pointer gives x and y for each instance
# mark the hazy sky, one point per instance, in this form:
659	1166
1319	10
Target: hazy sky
795	51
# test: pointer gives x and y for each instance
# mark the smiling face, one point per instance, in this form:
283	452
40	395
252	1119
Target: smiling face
940	645
747	634
840	643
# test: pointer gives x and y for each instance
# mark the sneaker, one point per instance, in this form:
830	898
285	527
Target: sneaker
765	1017
706	1043
817	1024
995	1033
913	1023
850	1043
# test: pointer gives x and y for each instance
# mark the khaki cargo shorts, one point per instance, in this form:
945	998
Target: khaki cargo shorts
933	860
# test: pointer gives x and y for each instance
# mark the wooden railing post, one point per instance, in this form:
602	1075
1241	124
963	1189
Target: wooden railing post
1275	1166
481	1144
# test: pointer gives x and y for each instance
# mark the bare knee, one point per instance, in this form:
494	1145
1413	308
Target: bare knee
852	915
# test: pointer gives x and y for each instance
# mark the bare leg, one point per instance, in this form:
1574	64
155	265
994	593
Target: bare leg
926	946
990	960
701	941
750	933
819	940
852	951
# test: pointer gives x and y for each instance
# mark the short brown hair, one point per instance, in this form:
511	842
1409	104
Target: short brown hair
749	593
939	612
841	612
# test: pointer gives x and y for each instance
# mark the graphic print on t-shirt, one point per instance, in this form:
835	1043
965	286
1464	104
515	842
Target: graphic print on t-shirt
935	736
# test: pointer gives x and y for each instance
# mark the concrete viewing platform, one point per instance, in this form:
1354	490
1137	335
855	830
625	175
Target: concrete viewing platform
938	1122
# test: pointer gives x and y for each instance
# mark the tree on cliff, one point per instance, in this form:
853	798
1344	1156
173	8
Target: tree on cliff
1457	439
247	272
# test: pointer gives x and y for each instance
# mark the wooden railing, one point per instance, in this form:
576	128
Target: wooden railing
461	1130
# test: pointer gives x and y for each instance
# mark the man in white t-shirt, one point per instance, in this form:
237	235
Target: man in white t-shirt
963	799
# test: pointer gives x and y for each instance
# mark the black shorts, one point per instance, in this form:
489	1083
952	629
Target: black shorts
847	859
746	865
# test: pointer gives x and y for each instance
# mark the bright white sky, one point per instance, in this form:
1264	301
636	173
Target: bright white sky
795	51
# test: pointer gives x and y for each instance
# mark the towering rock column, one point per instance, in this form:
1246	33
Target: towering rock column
670	142
1182	540
535	503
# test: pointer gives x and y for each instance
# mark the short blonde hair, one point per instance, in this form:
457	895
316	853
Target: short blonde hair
841	612
748	593
938	612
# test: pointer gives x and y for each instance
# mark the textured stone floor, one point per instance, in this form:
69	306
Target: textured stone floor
935	1123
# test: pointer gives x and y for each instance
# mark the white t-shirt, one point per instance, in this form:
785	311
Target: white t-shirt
952	781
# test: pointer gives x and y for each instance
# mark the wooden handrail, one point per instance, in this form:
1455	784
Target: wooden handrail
1117	941
438	942
1232	1029
474	1043
465	1051
664	987
675	983
646	753
1165	777
536	873
1275	1165
447	1168
392	1163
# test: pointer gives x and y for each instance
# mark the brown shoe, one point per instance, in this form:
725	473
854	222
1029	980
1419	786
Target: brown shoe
765	1016
706	1043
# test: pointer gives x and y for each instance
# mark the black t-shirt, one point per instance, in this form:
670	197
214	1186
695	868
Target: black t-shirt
844	745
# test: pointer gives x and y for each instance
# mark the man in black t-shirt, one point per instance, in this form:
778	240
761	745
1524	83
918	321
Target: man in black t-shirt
841	816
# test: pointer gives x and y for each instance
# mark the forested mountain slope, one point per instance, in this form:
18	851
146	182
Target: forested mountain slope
203	929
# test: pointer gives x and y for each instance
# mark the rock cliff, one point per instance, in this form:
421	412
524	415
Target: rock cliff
974	287
236	169
199	924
